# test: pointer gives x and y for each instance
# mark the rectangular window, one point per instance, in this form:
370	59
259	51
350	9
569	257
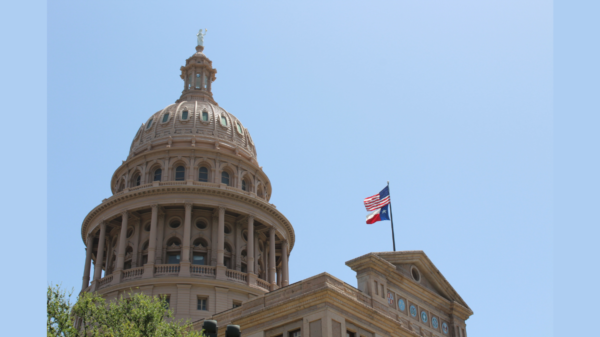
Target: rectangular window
189	81
205	81
202	303
144	259
382	292
199	259
184	115
173	258
376	288
295	333
197	81
350	334
165	118
237	304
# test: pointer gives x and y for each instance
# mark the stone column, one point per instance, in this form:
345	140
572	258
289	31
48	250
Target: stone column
284	264
250	247
187	234
221	269
149	266
160	236
221	237
121	248
214	229
136	242
100	252
88	261
272	258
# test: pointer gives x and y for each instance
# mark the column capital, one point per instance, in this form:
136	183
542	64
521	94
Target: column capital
250	217
125	214
271	230
188	204
103	224
155	207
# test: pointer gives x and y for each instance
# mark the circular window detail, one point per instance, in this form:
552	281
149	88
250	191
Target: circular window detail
415	273
434	322
129	232
401	305
424	317
174	223
147	227
227	230
200	224
445	328
413	311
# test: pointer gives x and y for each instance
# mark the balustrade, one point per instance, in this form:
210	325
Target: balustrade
236	275
106	280
263	284
133	273
203	270
166	269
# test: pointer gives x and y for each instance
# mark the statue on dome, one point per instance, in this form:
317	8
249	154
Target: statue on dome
200	36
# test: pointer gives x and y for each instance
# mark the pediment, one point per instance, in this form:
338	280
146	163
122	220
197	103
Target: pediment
402	264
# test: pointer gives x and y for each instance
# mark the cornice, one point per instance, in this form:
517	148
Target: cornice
188	189
328	293
374	262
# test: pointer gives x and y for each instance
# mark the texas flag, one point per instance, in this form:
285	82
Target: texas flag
380	214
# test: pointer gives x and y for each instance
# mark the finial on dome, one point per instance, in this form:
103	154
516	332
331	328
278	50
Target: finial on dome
200	36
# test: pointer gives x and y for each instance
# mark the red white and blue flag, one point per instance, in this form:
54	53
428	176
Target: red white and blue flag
378	200
379	215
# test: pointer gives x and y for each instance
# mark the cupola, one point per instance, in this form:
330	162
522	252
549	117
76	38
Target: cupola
198	75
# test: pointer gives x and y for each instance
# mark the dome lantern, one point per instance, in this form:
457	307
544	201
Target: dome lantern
197	75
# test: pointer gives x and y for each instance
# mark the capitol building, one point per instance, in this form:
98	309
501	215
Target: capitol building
189	219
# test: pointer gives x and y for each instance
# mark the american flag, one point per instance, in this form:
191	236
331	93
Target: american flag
378	200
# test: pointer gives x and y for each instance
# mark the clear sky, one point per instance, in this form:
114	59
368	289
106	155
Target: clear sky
451	101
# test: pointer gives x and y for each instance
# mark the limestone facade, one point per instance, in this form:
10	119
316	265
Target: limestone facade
190	219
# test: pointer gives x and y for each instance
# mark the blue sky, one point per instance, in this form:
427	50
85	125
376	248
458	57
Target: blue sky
455	103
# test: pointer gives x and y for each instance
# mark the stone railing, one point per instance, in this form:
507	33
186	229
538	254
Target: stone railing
166	269
197	270
140	187
133	273
172	183
193	183
263	284
236	275
105	281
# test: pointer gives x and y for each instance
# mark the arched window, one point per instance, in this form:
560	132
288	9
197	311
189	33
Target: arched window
180	173
138	180
223	120
204	116
184	115
149	124
165	117
244	188
173	242
157	175
203	174
225	178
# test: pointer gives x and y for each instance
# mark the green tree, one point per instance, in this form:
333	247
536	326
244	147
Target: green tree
138	315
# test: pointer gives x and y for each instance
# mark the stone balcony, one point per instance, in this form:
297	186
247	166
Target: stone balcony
177	270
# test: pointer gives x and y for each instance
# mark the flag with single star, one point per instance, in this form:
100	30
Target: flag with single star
380	214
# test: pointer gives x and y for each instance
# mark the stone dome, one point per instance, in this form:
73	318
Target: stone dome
198	124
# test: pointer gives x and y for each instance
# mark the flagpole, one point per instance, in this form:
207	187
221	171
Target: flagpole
392	217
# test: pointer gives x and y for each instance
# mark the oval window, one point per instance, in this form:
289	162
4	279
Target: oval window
165	118
174	223
239	128
204	116
184	115
223	121
201	224
149	124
